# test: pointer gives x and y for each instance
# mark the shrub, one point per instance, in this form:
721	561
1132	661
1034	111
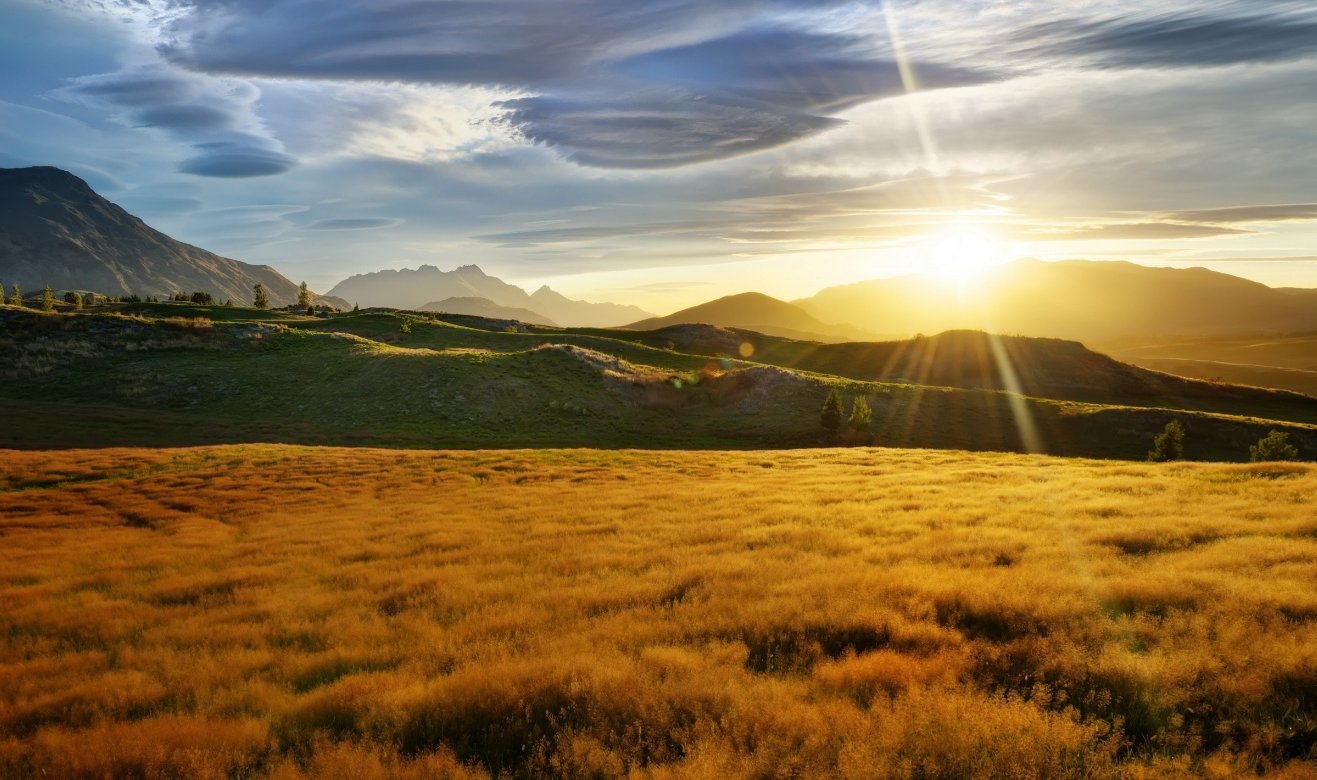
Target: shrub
47	299
202	298
1169	444
15	295
260	299
830	416
861	416
1274	446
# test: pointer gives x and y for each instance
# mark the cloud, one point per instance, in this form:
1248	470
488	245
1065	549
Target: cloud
607	83
794	69
229	160
217	117
1177	40
1288	212
656	127
355	223
1131	231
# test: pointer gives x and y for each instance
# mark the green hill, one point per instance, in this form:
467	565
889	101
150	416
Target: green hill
175	374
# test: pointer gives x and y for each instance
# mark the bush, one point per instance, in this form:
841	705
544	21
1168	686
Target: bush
1169	444
260	299
202	298
1274	446
830	416
861	416
47	299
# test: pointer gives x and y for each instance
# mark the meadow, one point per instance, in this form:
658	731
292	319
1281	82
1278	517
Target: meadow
278	611
151	375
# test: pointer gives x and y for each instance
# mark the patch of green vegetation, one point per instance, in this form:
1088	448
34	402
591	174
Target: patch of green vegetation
176	374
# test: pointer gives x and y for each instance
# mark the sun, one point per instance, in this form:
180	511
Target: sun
961	254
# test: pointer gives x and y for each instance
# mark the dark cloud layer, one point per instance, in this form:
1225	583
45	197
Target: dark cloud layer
1196	39
616	83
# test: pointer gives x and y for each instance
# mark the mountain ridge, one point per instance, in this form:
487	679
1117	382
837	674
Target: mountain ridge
56	230
1086	300
757	312
406	288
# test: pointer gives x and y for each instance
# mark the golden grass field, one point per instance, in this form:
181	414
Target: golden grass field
285	612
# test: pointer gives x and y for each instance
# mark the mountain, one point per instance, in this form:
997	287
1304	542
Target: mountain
54	229
581	313
757	312
483	307
1091	301
412	289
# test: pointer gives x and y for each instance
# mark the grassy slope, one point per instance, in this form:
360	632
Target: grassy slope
443	384
281	611
1285	362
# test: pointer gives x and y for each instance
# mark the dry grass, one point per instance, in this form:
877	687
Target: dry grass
297	612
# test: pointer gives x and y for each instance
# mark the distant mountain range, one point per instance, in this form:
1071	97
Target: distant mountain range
483	307
55	230
1092	301
427	285
758	312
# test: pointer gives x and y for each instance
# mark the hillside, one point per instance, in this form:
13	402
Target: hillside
55	230
483	307
414	289
164	374
1083	300
756	312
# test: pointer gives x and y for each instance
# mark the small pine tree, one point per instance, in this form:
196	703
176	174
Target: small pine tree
1169	444
861	416
262	300
47	299
830	416
15	295
303	297
1274	446
355	307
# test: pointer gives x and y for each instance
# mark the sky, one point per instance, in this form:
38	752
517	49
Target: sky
665	152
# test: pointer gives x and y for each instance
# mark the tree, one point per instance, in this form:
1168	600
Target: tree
830	416
262	300
355	307
310	311
861	416
1169	444
47	299
1274	446
15	295
303	297
203	298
